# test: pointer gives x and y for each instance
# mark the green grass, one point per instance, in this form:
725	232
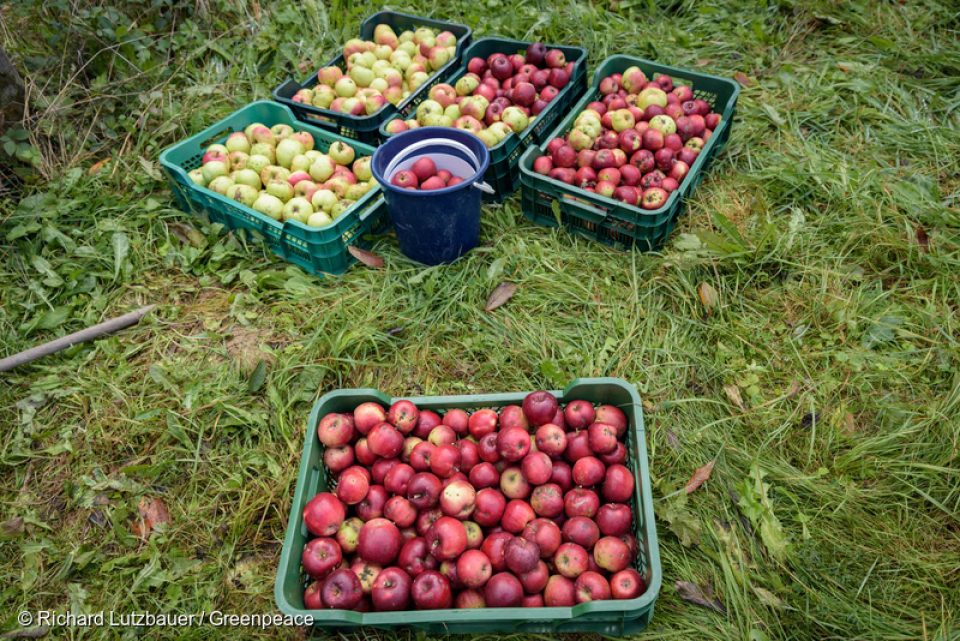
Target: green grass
837	327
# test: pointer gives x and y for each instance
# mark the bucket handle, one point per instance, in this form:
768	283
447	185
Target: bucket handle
403	155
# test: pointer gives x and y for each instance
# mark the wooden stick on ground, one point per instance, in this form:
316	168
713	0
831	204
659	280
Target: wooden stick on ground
90	333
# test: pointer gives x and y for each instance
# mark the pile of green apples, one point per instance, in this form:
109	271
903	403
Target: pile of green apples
276	171
380	71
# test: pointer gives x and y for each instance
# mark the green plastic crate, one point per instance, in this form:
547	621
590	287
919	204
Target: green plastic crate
367	128
605	617
552	202
317	250
503	174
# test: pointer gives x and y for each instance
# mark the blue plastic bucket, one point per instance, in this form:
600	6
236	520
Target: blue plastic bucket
441	225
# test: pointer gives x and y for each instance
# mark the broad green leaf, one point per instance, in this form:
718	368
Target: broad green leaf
54	317
258	377
121	247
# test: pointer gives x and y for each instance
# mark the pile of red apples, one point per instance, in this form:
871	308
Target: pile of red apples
525	507
636	144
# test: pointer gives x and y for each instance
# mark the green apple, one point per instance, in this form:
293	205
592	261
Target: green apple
246	177
500	129
287	149
340	208
341	153
319	219
400	59
220	184
269	205
428	107
452	111
322	168
437	120
313	154
323	96
367	59
249	129
466	85
357	191
664	124
323	200
273	172
300	162
217	149
214	169
281	131
379	84
257	163
196	176
264	149
237	141
418	79
280	189
382	52
651	96
489	138
305	138
237	160
297	209
244	194
345	87
362	76
361	168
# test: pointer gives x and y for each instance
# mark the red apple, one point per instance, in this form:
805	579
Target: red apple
424	168
559	592
469	454
503	590
570	560
536	467
427	421
361	449
371	507
400	511
380	541
547	500
385	440
627	584
421	455
516	515
611	554
457	420
442	435
447	538
592	586
423	490
335	430
551	439
337	459
484	475
426	519
521	555
474	568
578	446
397	478
581	502
324	514
562	475
431	591
469	599
613	415
487	448
602	438
366	416
445	460
582	531
513	443
415	557
482	422
588	471
618	455
614	519
342	590
535	580
404	414
540	407
490	505
320	556
617	484
353	485
312	600
494	546
391	590
380	468
579	414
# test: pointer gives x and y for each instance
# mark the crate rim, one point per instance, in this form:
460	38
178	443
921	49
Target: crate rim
350	617
387	110
592	201
364	203
456	75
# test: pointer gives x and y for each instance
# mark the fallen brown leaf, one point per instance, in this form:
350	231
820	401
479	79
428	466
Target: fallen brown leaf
703	597
27	633
922	239
700	476
367	258
500	295
733	393
794	388
708	296
97	166
673	440
743	79
153	512
12	527
702	62
849	423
